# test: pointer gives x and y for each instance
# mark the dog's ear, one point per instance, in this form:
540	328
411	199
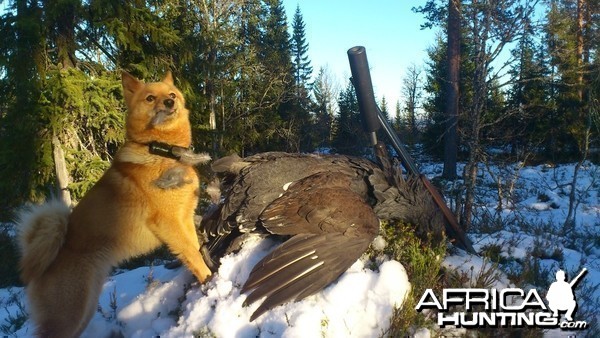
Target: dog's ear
168	78
130	86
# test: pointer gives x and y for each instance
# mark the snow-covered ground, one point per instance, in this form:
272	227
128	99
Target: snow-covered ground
525	226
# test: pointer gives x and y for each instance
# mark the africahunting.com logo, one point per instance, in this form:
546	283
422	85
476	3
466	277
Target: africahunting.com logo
512	307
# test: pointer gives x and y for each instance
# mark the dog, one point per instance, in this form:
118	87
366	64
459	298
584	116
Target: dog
134	208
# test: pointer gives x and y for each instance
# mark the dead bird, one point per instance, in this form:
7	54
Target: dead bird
326	207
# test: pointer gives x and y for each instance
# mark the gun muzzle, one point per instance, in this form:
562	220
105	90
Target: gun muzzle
361	79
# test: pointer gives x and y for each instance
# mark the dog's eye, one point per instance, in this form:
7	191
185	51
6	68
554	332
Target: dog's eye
150	98
173	96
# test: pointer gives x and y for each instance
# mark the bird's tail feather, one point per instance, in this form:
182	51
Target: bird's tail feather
41	234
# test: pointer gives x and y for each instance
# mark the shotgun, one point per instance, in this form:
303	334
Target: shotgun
576	279
373	120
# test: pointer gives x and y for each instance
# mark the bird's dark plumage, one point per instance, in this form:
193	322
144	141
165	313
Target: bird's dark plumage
328	206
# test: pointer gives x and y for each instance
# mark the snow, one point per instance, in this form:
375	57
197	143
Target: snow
145	300
154	301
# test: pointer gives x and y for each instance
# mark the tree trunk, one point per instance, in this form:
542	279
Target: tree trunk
584	144
65	42
65	39
580	48
62	174
580	28
470	178
481	29
452	92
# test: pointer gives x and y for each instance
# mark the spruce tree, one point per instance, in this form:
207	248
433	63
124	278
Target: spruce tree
349	137
527	119
23	176
570	31
398	124
433	105
139	36
262	66
275	56
302	72
299	51
383	106
295	130
325	96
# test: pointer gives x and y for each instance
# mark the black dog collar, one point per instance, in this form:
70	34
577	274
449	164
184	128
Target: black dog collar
167	150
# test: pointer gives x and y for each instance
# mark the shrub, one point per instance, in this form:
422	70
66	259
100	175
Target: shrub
422	263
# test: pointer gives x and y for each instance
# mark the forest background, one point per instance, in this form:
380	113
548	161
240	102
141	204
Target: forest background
244	69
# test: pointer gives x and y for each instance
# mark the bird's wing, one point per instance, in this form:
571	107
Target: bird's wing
251	184
331	227
300	267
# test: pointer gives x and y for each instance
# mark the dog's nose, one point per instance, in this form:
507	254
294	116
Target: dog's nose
169	103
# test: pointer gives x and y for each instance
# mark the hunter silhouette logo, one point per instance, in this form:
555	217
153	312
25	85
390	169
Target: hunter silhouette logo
560	295
513	307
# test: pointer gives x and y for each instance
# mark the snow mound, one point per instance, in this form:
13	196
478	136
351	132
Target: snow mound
154	301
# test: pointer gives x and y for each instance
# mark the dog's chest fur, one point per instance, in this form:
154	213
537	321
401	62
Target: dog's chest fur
142	169
125	201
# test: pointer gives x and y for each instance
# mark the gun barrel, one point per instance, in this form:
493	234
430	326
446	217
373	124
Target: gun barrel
576	279
372	116
403	153
373	119
361	78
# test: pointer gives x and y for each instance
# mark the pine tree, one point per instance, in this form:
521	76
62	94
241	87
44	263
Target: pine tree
492	27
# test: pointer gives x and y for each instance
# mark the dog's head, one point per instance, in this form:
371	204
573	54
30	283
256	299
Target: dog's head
156	111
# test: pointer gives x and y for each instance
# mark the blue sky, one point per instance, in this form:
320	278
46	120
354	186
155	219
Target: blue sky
388	29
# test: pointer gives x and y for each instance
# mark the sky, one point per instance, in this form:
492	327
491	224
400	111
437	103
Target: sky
388	29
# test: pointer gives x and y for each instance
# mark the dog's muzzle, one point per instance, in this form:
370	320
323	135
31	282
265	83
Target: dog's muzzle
162	115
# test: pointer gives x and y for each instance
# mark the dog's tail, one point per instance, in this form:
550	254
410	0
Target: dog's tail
41	234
